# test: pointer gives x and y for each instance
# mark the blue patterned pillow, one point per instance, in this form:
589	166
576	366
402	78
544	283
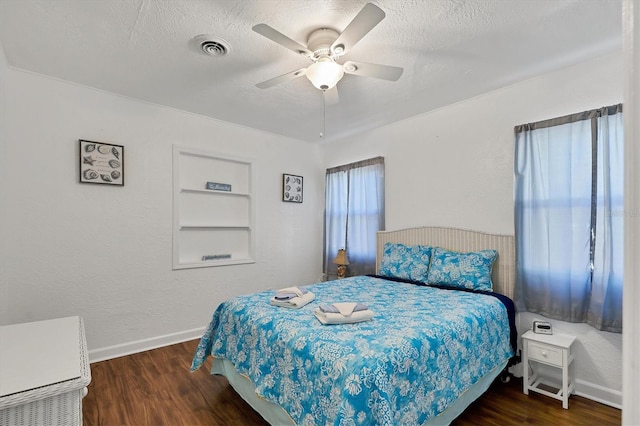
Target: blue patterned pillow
462	270
406	262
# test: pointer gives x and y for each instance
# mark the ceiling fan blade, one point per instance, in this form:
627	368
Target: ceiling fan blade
331	96
282	78
365	20
281	39
385	72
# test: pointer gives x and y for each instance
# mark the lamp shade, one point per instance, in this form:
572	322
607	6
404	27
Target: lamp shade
341	258
325	73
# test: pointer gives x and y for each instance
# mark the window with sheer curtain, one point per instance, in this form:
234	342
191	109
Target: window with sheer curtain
354	212
569	214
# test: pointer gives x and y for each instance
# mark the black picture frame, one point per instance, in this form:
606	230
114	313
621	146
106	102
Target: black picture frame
292	188
101	163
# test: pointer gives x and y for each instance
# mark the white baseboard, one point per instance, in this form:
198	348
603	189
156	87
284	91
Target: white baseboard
110	352
599	393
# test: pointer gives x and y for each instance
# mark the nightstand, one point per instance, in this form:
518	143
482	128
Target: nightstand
553	350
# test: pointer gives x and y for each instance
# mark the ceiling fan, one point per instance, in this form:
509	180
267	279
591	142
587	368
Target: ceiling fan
324	47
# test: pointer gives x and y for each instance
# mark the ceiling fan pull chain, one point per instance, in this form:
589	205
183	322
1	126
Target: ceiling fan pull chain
324	118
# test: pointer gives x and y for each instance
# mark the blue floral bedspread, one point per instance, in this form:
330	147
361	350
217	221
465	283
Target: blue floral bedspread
424	347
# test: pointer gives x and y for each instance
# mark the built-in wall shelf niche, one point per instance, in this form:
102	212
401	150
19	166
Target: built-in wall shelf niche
213	209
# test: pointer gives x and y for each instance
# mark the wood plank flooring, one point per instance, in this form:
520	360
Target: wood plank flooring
156	388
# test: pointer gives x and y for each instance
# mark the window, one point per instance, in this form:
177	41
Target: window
354	212
569	217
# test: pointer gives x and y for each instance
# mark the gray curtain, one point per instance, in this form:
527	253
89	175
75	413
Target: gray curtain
569	217
354	212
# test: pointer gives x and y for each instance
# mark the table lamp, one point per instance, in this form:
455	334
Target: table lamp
342	262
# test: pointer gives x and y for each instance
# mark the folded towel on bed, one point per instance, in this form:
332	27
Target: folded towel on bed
347	312
290	293
344	308
292	297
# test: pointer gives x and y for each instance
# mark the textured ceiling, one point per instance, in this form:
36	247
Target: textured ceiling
450	50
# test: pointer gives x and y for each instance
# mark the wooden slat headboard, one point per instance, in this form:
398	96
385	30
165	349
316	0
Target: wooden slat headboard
462	240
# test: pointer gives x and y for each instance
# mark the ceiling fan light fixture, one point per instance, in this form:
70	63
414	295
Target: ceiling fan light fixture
325	73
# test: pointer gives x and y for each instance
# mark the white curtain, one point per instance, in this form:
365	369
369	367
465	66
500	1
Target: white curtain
568	218
354	212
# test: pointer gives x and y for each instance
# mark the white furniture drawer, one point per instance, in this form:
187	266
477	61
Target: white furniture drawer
546	354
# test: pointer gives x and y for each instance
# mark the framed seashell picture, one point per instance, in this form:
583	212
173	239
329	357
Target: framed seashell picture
292	188
101	163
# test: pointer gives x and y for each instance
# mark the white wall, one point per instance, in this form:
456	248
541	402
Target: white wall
454	167
104	252
631	318
4	295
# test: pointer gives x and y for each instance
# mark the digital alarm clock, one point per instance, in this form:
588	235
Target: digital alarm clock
542	327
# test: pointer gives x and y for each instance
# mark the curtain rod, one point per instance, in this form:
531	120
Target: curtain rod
362	163
571	118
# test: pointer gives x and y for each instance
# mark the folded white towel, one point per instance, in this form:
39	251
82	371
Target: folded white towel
339	318
288	290
344	308
295	302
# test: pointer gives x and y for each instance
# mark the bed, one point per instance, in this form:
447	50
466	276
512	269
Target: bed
428	352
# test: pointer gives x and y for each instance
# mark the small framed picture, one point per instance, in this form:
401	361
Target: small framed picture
101	163
292	188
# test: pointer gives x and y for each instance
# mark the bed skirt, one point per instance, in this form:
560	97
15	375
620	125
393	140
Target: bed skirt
276	416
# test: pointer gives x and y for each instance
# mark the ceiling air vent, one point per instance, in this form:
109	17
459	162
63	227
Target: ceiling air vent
212	45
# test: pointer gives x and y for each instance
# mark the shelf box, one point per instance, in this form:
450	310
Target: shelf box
199	167
212	264
233	241
205	191
211	222
198	208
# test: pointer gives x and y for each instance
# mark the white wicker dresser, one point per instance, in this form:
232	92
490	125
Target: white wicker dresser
44	371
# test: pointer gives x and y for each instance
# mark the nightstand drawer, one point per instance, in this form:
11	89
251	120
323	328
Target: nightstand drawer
546	354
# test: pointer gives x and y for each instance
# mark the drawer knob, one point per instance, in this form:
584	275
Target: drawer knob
544	354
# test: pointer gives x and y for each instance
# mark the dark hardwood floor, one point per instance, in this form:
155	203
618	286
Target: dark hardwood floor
156	388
